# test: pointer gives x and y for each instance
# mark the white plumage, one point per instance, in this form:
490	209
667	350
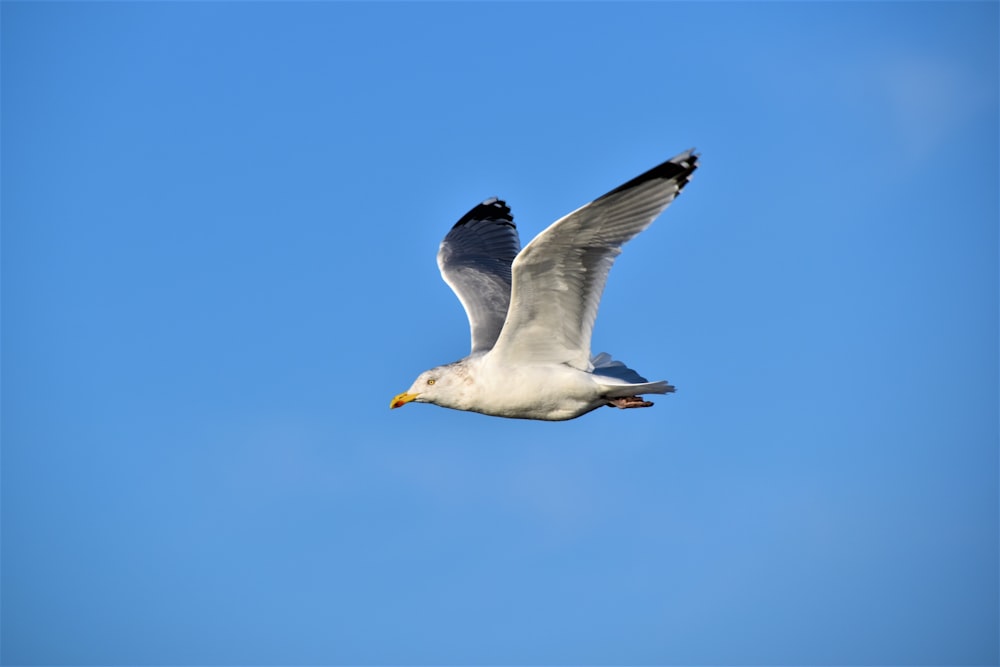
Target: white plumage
531	312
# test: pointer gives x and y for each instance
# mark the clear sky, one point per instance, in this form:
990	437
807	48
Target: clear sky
219	225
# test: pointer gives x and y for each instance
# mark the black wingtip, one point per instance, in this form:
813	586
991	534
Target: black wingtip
680	167
493	209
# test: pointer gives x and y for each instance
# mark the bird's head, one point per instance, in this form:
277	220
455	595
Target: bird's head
429	387
423	389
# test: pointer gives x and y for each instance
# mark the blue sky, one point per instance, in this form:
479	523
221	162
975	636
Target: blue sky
219	223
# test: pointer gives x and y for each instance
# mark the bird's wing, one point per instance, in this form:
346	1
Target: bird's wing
475	259
558	278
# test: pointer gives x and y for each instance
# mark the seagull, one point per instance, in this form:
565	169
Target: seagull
531	311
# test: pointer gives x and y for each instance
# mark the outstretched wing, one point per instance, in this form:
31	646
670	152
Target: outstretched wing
475	259
559	277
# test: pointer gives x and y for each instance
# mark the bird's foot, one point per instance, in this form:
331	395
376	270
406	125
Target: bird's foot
629	402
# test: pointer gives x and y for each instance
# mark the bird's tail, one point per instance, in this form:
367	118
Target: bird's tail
620	380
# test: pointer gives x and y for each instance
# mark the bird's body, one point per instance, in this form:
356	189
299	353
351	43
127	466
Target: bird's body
552	392
531	312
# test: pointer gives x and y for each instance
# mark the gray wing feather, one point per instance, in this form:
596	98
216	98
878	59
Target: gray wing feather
558	279
475	259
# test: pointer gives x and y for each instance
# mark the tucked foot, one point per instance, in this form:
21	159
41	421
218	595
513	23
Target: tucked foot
629	402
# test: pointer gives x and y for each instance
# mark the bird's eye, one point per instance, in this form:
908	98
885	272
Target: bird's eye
431	381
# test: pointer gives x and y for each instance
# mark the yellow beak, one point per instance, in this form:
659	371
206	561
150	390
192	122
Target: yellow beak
402	400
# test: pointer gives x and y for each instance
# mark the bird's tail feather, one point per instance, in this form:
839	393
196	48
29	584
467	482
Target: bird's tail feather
620	380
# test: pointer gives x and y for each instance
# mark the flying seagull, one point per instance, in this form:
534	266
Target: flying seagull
532	311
